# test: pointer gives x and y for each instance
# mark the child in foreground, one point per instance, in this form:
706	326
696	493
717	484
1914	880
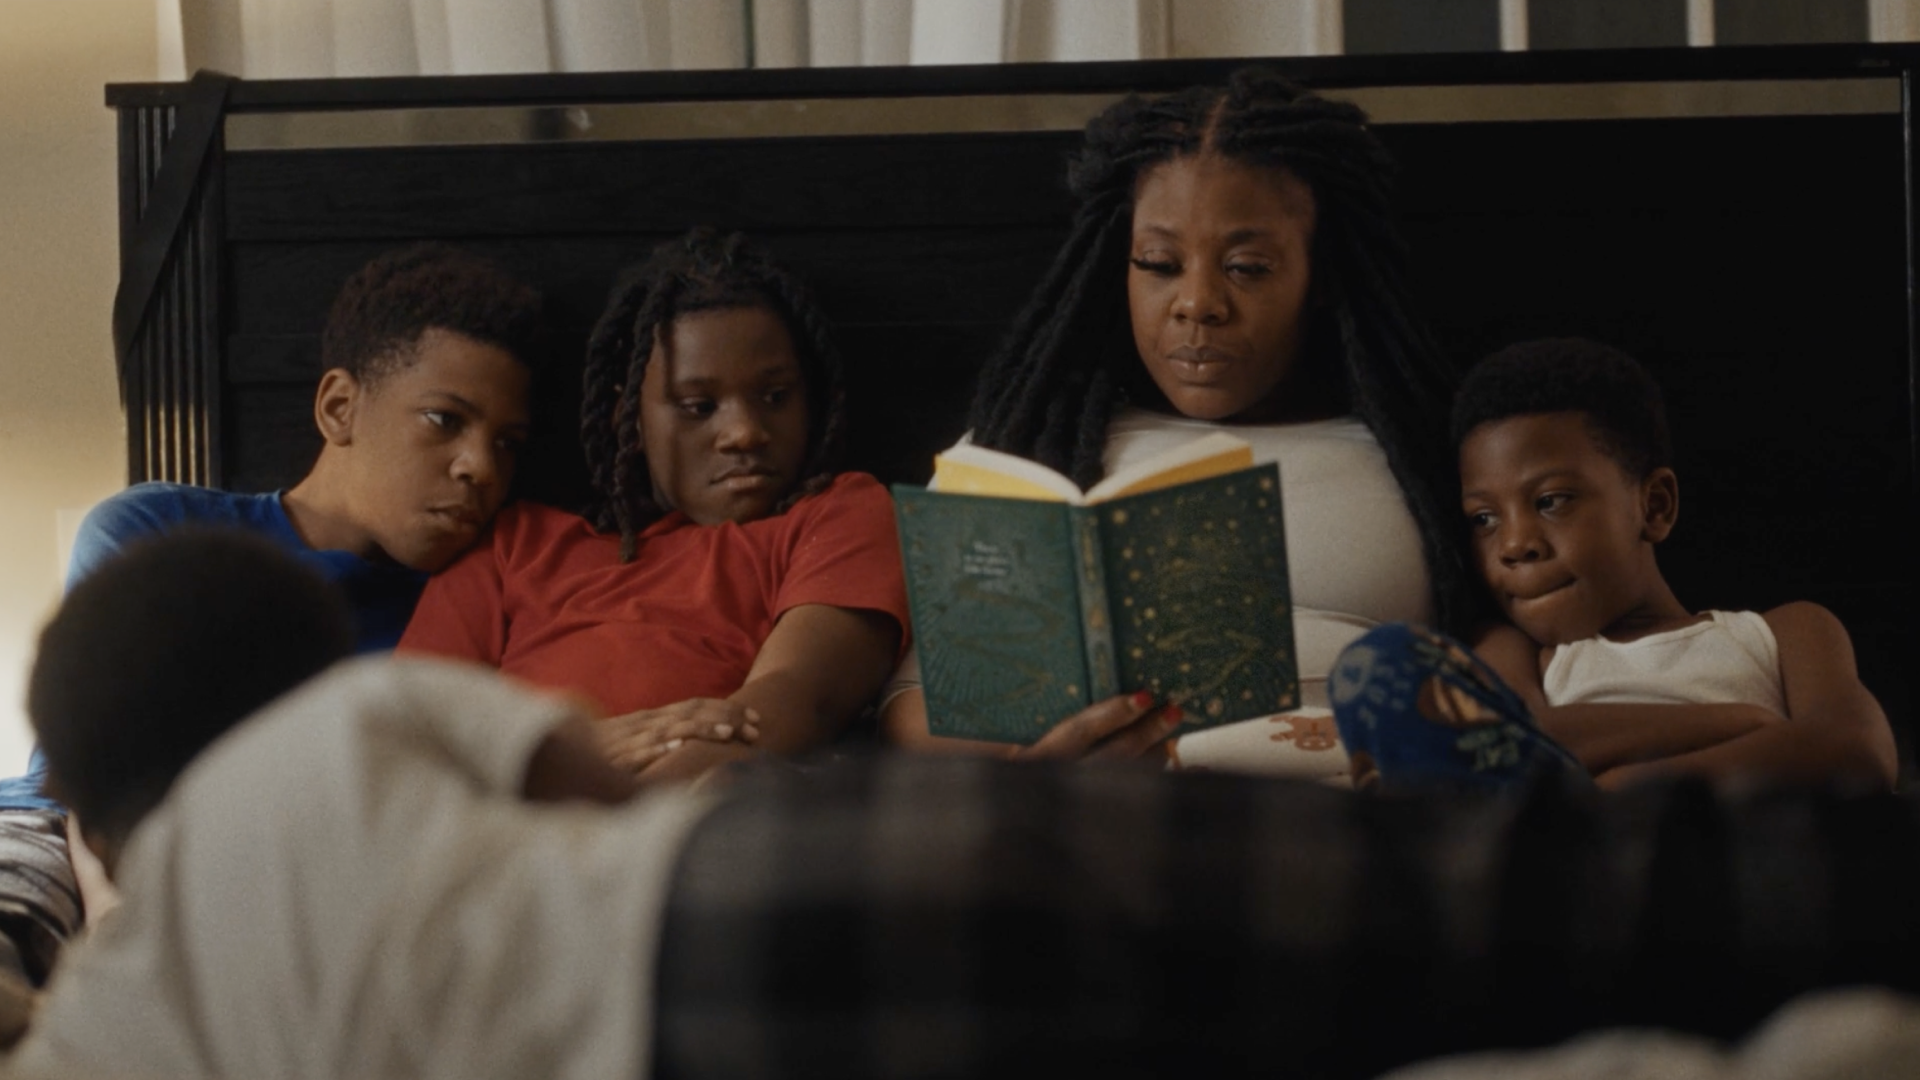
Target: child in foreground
357	877
1567	488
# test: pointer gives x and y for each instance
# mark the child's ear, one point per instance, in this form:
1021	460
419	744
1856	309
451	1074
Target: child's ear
1659	504
334	406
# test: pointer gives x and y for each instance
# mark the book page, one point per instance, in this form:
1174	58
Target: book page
1210	455
976	470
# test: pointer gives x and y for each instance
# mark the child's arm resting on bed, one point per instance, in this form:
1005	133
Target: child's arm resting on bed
1834	730
1607	737
820	666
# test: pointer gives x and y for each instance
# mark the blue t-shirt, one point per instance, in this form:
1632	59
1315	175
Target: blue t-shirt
382	597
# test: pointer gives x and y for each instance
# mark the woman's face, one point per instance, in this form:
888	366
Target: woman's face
1218	282
723	415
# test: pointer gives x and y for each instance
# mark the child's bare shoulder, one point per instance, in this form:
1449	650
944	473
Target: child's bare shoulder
1804	626
1514	656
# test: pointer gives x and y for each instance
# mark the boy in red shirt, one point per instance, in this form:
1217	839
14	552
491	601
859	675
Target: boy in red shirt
728	593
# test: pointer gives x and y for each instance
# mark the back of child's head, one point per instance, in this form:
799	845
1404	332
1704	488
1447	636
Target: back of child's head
386	306
704	270
1623	408
161	651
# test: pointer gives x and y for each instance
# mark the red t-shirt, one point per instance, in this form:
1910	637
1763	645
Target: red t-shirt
546	599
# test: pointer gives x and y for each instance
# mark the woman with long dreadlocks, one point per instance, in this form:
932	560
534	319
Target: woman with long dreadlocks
728	594
1233	264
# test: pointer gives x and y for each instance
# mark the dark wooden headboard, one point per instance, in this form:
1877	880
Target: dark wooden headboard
1739	219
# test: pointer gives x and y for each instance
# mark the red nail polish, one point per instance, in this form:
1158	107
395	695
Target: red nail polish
1142	700
1174	715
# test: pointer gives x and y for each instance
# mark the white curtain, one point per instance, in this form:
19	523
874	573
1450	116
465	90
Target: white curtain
289	39
285	39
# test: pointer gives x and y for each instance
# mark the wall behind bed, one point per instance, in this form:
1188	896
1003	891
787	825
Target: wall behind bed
1738	220
60	423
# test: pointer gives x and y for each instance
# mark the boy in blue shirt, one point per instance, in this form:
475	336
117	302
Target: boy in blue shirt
429	354
422	412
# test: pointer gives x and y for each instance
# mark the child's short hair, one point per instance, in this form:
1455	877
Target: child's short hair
1625	411
387	304
162	650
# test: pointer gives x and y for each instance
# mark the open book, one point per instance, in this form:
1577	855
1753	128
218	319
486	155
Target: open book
1032	599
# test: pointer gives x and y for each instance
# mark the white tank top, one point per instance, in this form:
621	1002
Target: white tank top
1730	659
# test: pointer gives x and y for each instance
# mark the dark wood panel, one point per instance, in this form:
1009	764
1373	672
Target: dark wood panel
654	187
271	440
897	277
1694	166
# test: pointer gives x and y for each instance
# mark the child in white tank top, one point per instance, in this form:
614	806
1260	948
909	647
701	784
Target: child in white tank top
1731	657
1567	490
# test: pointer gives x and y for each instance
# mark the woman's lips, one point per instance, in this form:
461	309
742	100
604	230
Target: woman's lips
1199	364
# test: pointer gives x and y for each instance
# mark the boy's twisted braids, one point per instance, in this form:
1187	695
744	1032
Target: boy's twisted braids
1050	391
701	271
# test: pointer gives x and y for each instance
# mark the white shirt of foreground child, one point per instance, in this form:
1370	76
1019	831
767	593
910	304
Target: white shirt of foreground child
351	884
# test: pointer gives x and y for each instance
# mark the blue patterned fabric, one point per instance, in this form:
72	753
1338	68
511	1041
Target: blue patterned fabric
1416	709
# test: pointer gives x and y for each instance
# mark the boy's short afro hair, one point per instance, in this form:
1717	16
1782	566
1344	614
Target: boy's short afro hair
1625	411
387	304
163	649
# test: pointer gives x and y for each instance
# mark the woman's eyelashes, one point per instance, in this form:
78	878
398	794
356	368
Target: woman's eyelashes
1165	267
1157	266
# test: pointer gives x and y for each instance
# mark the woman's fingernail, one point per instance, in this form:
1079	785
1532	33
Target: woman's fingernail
673	744
723	731
1174	715
1142	700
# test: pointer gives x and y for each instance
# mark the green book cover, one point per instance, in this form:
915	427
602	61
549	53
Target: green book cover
1026	611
